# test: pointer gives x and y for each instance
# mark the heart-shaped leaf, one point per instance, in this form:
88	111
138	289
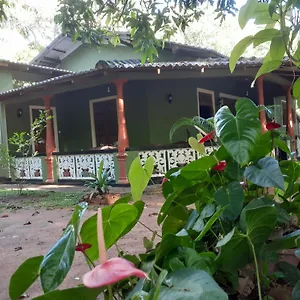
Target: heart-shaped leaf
238	133
116	222
58	261
139	176
232	198
24	277
260	222
266	173
191	284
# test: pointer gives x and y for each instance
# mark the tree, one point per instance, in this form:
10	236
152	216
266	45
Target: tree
30	25
150	22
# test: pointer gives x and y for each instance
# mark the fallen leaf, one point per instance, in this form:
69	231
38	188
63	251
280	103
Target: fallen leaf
50	222
4	216
18	248
27	223
35	213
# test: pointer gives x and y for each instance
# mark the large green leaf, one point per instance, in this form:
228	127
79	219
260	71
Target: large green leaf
265	35
277	48
116	222
198	169
78	293
260	222
263	146
238	51
232	198
24	277
291	168
238	133
266	173
247	12
139	176
190	284
268	67
170	242
58	261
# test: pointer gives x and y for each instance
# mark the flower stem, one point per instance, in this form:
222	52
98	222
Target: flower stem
101	241
149	229
256	269
110	293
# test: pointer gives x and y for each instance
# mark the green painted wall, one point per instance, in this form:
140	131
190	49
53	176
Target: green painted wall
85	57
21	124
5	81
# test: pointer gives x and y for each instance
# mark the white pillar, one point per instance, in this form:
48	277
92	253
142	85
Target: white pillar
3	137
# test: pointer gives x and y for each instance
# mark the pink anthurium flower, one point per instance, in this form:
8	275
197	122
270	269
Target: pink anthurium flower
82	247
207	137
272	125
112	270
220	166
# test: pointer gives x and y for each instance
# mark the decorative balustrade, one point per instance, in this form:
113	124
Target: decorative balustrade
29	168
166	159
80	166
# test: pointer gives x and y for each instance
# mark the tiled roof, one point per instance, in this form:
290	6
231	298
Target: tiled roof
7	63
125	65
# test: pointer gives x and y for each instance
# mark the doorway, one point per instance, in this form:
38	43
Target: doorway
40	146
104	121
206	103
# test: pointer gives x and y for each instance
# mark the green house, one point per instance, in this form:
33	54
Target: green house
108	106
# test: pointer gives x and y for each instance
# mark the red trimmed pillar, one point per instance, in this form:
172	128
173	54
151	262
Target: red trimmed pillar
261	101
123	142
290	123
50	142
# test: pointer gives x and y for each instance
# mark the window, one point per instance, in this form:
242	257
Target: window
228	100
206	101
104	121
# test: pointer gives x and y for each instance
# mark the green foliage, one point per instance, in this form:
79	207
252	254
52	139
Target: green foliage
100	181
24	277
139	176
238	133
217	223
80	19
203	125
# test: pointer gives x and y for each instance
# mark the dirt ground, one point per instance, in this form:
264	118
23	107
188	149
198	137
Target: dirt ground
19	242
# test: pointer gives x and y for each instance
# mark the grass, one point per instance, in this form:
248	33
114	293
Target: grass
10	199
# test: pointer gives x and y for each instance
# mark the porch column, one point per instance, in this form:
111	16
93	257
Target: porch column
122	132
290	123
3	138
261	101
50	142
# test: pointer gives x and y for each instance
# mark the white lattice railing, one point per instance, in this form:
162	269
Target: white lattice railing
167	159
79	166
29	168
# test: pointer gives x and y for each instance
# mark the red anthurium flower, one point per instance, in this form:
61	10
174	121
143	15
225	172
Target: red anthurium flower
206	138
272	125
220	166
164	180
110	272
82	247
